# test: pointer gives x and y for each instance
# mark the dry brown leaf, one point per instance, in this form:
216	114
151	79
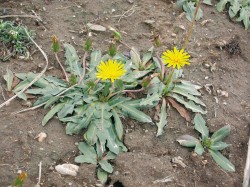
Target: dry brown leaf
183	112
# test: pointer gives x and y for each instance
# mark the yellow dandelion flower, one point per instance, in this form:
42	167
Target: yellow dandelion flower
175	58
110	70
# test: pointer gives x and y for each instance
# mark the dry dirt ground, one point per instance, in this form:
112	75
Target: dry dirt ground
149	158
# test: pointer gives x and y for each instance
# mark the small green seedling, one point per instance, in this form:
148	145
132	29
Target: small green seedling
239	9
213	144
14	40
19	180
189	7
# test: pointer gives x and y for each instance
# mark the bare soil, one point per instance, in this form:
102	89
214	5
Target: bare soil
149	158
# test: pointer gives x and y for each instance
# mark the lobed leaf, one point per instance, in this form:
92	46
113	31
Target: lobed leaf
134	113
221	5
118	125
151	100
52	112
189	8
89	154
182	92
190	104
72	60
163	118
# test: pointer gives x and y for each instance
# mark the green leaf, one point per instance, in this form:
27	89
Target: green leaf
102	175
234	8
42	99
135	57
110	156
91	134
111	141
217	146
89	154
182	92
118	125
207	2
55	81
52	112
200	126
106	166
163	118
134	113
221	133
114	101
51	101
21	96
72	60
151	100
95	59
187	140
119	84
85	121
68	108
189	8
41	83
187	88
21	85
147	56
180	3
190	104
222	161
221	5
245	16
199	149
21	76
70	128
9	79
156	86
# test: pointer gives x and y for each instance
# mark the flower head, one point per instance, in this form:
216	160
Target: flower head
175	58
110	70
55	44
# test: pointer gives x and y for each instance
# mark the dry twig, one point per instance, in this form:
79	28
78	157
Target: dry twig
21	16
39	175
247	168
64	72
126	14
2	93
83	67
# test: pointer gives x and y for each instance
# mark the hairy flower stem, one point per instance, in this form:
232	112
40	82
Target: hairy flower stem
64	72
191	26
168	81
83	67
162	68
